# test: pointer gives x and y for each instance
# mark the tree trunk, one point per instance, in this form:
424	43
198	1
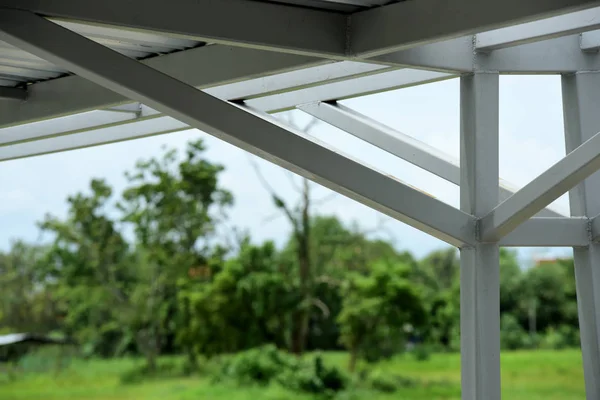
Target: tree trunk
151	361
148	346
301	317
192	358
353	359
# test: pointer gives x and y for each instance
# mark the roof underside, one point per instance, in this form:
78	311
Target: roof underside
264	71
60	92
19	68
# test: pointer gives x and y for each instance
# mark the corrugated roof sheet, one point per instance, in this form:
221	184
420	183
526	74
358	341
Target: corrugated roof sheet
18	67
335	5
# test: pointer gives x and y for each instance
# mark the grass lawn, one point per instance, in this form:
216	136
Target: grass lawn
547	375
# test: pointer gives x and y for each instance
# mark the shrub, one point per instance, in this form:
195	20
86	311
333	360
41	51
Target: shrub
388	383
267	364
421	352
560	338
256	366
314	377
512	335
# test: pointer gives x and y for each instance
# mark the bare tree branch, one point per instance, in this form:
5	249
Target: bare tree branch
293	182
325	199
269	188
310	125
321	306
328	280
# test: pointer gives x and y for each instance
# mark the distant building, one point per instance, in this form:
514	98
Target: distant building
539	261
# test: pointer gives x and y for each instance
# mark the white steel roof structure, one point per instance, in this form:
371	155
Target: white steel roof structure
73	73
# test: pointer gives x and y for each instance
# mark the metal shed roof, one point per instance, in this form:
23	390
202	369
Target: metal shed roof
18	67
222	66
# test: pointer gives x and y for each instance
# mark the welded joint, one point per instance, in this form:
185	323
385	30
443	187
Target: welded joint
594	229
476	233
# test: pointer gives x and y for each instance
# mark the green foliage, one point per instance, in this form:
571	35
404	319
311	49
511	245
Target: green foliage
24	305
260	366
377	309
386	382
314	377
559	338
512	334
527	375
422	352
267	364
247	304
146	272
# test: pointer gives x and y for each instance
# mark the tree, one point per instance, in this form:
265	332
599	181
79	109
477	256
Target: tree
299	217
510	282
25	305
548	297
87	268
248	303
376	308
174	207
439	270
439	275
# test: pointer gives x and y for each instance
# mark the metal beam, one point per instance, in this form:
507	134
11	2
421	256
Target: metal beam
543	190
581	95
252	88
479	264
269	139
201	67
297	80
239	90
595	228
232	22
562	25
343	90
554	56
590	41
408	24
13	93
100	136
73	124
549	232
399	144
447	56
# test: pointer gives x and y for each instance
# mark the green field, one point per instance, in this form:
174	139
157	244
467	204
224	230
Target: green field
547	375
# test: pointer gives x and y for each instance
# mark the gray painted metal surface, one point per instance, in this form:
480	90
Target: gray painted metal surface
399	144
561	25
255	24
230	123
13	93
543	190
479	264
19	67
398	26
581	96
200	67
325	51
549	232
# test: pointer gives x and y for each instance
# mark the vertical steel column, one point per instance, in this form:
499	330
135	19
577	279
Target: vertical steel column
581	97
480	265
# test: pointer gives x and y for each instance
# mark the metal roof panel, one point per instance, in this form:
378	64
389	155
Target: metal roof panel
18	67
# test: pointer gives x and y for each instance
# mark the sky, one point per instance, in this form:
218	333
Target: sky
531	140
